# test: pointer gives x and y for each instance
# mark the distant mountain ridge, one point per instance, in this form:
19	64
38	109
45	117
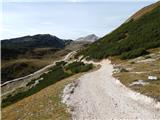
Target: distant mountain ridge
16	46
39	40
89	38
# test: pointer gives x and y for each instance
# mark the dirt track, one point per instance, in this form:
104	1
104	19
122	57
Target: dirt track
99	96
11	85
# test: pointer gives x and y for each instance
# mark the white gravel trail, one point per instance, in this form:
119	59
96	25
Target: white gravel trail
99	96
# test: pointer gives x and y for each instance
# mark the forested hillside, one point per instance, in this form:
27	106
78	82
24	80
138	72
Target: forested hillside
131	39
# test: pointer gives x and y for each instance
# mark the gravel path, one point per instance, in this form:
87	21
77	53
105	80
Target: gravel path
99	96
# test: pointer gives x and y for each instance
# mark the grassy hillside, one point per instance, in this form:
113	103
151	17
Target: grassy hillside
21	67
131	39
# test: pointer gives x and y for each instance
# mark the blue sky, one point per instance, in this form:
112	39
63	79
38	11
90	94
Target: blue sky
66	20
76	0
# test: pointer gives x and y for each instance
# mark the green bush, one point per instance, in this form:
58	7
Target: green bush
60	63
77	67
133	53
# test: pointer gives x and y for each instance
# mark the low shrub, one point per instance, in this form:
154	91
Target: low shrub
77	67
133	53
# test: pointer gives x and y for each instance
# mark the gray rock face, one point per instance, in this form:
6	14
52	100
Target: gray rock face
90	38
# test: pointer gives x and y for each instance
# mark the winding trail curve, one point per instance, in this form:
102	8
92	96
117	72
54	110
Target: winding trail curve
99	96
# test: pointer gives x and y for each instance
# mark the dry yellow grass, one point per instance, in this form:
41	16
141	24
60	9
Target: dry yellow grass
144	11
127	78
44	105
152	90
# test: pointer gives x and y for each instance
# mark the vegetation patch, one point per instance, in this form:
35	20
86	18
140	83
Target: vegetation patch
81	67
133	53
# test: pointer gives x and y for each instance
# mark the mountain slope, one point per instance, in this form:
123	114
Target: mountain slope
131	39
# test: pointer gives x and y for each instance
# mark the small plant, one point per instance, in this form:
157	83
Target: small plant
30	83
132	62
123	70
